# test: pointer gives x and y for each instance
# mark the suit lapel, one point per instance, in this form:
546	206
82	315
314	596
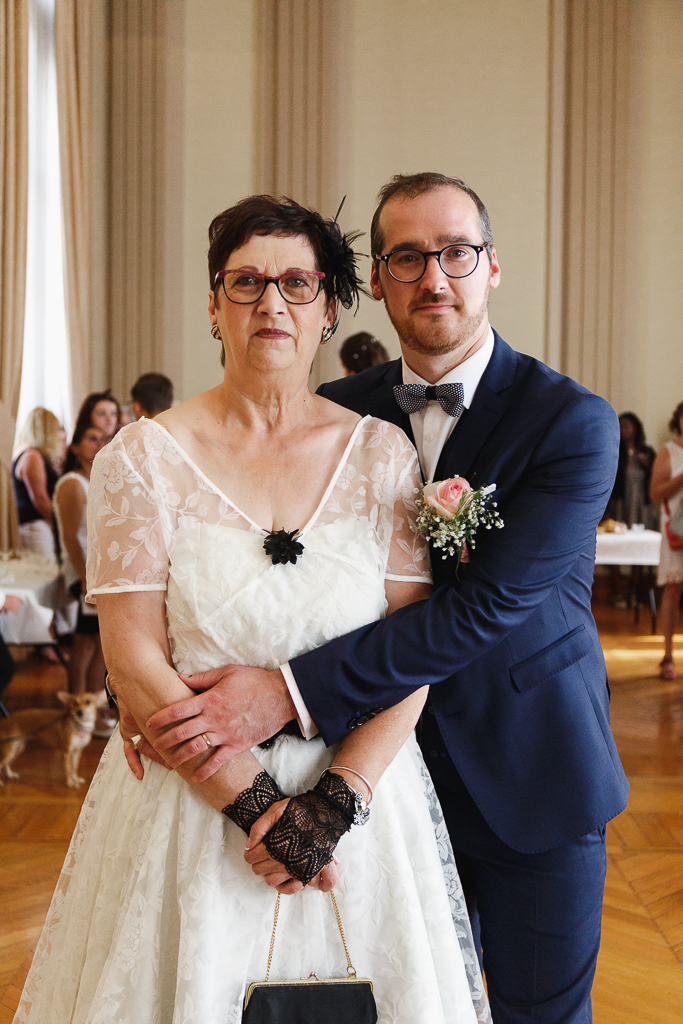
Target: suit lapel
491	400
383	404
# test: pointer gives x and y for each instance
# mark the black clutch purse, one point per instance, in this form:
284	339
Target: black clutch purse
310	1000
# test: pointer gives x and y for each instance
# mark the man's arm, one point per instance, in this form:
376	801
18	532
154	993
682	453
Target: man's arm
549	520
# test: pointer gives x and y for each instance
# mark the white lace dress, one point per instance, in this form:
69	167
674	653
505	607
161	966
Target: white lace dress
156	918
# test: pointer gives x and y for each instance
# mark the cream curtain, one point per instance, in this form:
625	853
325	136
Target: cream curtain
74	64
14	22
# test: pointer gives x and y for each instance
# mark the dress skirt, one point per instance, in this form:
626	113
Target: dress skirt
157	918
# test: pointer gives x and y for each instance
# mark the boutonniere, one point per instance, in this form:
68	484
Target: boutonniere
450	513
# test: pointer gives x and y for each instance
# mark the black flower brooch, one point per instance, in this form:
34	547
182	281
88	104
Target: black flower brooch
283	547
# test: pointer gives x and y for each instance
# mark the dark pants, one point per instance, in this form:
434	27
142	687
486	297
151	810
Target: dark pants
6	666
536	917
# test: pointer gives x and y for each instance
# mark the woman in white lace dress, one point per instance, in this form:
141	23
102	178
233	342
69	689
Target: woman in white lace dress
249	524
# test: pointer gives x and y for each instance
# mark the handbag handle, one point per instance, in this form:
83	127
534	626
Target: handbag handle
350	969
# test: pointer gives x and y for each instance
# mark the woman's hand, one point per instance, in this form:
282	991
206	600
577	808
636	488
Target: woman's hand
130	730
12	603
272	871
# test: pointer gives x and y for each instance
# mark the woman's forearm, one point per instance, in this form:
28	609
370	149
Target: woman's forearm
37	492
73	550
138	658
664	489
372	747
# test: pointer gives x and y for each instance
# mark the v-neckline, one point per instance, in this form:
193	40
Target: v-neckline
261	529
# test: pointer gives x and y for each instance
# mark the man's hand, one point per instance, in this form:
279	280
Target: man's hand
272	871
12	603
129	729
240	708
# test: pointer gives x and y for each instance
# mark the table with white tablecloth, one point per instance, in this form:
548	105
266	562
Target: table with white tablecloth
636	548
40	584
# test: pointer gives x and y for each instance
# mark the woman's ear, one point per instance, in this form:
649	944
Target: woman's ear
212	304
331	313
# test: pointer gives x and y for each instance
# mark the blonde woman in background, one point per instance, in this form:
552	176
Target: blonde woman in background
667	487
34	475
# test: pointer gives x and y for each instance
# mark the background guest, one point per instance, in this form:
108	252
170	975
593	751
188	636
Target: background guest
152	393
86	667
667	487
8	603
34	477
100	409
361	351
630	500
126	415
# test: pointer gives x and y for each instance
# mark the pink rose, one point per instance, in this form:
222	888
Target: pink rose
446	495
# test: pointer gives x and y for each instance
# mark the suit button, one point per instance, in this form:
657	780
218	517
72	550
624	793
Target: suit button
351	724
430	710
433	753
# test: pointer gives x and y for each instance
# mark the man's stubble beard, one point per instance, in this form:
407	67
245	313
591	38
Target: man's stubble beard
436	338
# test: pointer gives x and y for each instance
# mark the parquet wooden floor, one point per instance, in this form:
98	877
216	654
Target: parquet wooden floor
640	969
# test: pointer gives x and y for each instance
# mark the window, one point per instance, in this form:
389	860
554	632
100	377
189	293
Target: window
45	370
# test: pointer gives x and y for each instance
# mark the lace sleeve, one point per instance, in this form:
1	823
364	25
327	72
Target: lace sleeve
127	533
394	472
409	553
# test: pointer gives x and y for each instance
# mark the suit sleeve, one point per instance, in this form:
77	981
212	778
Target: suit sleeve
550	520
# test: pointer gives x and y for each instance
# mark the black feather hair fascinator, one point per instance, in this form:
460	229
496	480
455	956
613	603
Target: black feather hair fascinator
338	260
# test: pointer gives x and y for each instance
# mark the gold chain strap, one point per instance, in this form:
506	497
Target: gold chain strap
350	969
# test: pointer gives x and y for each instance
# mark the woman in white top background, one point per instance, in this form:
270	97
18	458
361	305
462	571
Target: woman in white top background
86	667
667	487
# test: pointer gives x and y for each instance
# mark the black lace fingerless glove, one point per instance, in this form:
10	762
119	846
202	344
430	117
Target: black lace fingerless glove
305	837
251	803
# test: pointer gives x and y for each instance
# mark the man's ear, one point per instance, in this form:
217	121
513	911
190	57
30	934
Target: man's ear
375	286
494	279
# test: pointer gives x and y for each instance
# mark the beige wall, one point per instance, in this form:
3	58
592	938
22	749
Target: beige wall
218	159
655	279
460	86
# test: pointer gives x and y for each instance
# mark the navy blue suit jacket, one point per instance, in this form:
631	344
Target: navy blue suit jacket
510	649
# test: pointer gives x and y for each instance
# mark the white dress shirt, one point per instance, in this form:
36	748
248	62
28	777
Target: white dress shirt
431	428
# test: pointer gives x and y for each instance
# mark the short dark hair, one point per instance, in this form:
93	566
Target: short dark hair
285	218
361	351
409	186
675	421
154	392
638	428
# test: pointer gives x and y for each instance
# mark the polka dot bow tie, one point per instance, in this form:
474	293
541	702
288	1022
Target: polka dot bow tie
413	397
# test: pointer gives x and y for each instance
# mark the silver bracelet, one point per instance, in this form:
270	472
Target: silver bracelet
362	810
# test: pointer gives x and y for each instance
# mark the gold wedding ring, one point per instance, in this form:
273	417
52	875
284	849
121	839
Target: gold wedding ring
207	740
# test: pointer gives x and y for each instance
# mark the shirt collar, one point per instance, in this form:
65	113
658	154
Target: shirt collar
468	373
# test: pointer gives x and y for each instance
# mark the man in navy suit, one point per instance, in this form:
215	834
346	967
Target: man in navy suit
516	730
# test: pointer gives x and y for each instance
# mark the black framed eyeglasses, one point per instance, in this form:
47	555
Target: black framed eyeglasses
408	265
246	286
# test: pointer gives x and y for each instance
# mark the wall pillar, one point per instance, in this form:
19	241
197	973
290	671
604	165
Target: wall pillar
304	50
585	321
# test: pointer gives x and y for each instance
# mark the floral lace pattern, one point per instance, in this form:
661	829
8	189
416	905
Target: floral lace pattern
156	917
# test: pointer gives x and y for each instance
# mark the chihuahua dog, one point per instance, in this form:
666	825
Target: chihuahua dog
69	731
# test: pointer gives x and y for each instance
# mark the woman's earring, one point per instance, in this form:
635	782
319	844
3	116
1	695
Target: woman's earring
216	332
326	335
